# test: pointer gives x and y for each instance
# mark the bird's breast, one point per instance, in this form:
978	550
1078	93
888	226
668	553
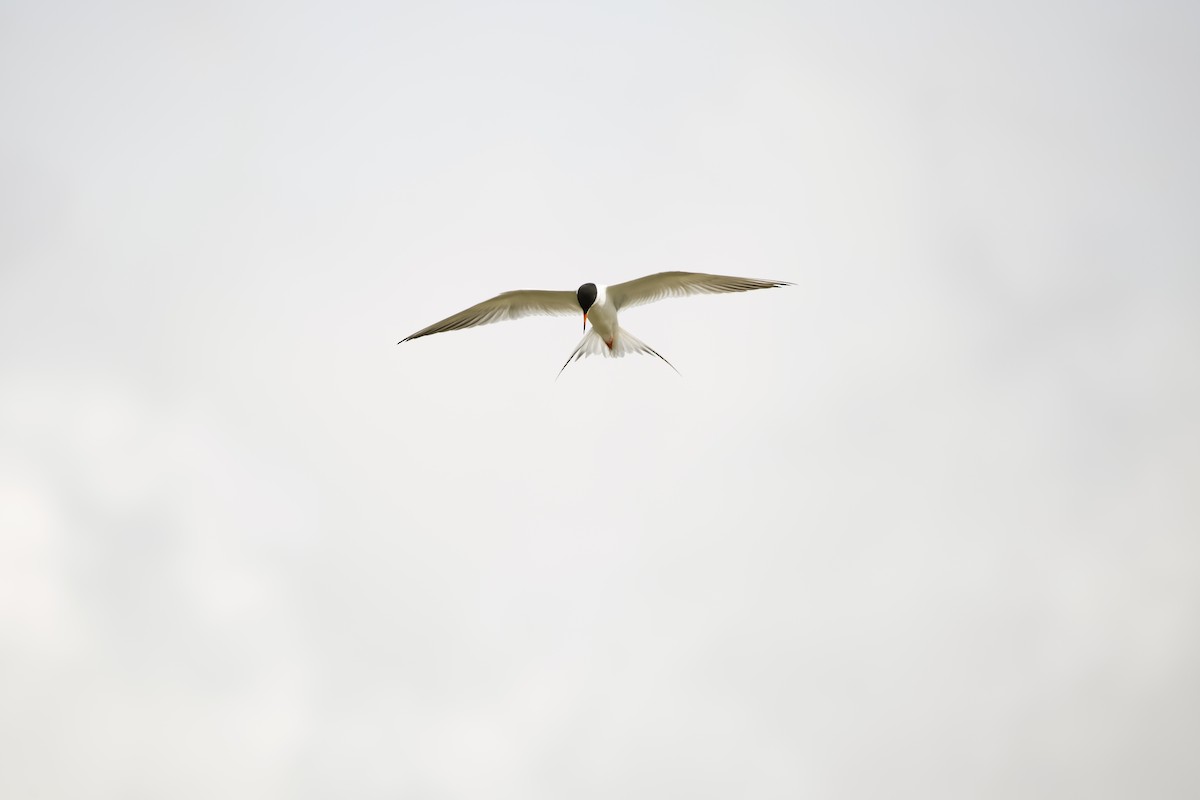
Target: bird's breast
604	319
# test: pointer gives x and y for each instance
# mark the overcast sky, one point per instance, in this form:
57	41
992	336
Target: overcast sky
923	525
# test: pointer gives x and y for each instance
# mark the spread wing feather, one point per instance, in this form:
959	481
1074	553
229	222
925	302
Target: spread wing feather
509	305
681	284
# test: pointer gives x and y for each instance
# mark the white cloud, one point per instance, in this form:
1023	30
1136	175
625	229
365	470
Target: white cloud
920	525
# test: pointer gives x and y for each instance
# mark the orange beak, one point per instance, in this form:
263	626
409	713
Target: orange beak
585	320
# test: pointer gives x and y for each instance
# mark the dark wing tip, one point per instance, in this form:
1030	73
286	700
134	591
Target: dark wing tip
770	284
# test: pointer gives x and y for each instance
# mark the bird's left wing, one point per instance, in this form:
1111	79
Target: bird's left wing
680	284
510	305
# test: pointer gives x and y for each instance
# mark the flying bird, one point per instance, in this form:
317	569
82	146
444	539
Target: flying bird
599	304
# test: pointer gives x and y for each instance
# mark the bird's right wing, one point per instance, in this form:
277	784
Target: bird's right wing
510	305
680	284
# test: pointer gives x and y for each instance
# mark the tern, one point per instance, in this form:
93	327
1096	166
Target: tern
600	305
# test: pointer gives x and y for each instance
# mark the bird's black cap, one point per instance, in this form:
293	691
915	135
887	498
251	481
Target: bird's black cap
586	295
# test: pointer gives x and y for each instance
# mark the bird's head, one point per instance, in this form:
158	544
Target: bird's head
586	295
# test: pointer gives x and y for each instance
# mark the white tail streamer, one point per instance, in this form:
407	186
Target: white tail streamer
624	344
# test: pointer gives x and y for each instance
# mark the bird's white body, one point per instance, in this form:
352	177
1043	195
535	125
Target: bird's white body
603	316
599	304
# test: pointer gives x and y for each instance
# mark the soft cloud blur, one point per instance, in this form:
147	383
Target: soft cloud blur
924	525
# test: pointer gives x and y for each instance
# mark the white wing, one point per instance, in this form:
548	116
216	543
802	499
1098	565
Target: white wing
510	305
681	284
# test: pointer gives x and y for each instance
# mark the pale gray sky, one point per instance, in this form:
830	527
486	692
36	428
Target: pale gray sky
924	525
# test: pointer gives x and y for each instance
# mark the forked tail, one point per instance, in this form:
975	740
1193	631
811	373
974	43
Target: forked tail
624	344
